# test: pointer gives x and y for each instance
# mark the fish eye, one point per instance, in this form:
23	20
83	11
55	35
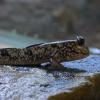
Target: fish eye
80	40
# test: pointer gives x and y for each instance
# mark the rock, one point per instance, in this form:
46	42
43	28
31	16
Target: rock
88	91
37	84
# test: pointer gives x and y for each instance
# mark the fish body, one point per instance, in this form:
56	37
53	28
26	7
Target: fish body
53	52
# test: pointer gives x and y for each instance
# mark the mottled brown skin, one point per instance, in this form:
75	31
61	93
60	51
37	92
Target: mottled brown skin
54	52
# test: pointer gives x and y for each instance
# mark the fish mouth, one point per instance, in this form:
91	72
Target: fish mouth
86	51
82	53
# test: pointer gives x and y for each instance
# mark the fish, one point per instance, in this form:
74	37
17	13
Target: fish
52	52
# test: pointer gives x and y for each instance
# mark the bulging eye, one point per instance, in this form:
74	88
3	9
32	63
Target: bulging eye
80	40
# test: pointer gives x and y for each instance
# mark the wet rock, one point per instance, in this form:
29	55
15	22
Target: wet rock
89	91
38	84
95	51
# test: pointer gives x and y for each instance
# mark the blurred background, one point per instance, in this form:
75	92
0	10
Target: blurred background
24	22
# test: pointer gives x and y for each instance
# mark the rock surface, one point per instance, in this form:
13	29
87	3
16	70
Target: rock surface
36	84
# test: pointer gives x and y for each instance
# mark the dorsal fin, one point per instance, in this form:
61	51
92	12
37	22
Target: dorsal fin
34	45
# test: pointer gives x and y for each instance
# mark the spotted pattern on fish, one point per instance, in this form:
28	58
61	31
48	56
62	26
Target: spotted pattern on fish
53	52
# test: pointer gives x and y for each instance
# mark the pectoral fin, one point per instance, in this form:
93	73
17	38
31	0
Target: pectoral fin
56	64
